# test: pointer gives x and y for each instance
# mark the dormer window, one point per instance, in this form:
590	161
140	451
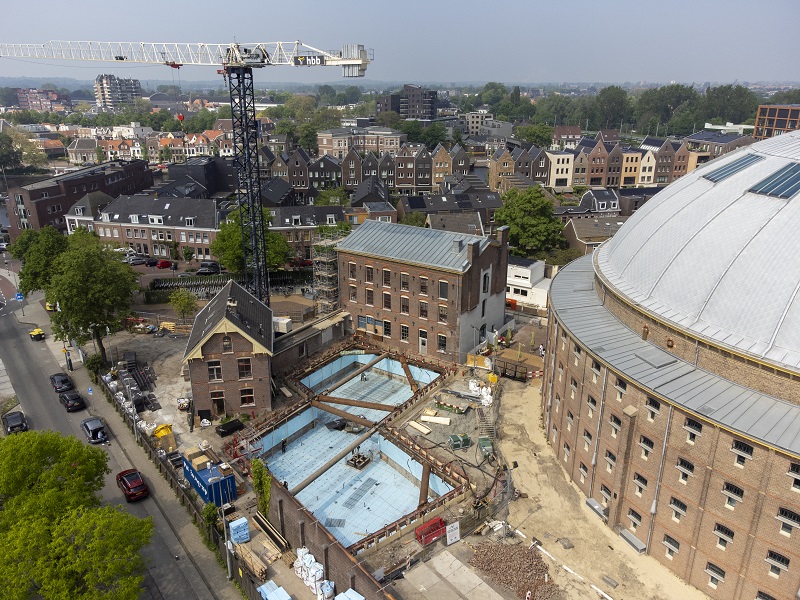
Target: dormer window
78	211
331	220
106	218
156	220
134	218
296	220
189	221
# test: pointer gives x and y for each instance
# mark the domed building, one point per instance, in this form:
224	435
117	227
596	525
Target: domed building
671	391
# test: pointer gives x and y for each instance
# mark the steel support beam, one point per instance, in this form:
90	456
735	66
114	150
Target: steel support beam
359	403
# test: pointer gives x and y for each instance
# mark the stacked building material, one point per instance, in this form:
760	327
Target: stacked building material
518	568
240	531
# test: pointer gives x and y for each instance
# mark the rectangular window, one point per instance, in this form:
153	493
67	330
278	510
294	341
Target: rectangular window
442	313
214	370
353	293
764	596
217	398
794	473
777	563
587	439
387	278
693	428
742	451
370	297
605	493
678	509
573	388
583	472
611	460
443	290
362	322
566	451
403	333
387	301
404	305
640	483
672	545
734	494
570	418
577	352
647	446
715	575
441	343
653	407
616	424
788	520
387	329
247	397
352	270
423	310
621	387
368	274
423	286
404	281
245	368
686	469
724	535
592	403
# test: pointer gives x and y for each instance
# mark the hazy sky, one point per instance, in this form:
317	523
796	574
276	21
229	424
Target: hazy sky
421	41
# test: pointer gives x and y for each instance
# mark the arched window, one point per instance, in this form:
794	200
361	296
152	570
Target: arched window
485	283
226	344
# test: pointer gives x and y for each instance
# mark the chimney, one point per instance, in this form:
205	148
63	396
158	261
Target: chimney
458	245
231	303
502	235
473	249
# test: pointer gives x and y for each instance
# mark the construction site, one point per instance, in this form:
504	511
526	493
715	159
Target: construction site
383	457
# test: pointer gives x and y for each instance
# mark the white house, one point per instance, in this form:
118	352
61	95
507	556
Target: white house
526	283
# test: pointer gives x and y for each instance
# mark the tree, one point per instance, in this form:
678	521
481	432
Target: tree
433	135
8	96
183	302
83	107
227	246
388	118
262	485
288	128
56	539
100	153
10	155
93	288
417	219
308	137
332	197
731	103
612	107
784	97
31	154
39	250
188	253
529	215
412	129
539	135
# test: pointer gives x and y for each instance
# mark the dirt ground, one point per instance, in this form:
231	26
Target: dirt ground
555	509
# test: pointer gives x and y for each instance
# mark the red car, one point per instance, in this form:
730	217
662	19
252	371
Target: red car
132	485
163	264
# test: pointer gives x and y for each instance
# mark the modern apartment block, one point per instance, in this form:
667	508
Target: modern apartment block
776	119
112	92
413	102
423	291
42	100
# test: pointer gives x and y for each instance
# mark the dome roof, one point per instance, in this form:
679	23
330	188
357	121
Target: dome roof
717	252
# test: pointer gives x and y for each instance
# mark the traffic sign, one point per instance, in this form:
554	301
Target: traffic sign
90	391
18	296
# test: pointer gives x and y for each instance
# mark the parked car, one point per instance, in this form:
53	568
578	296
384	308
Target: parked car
132	485
36	334
3	246
186	274
206	271
72	401
151	262
211	265
61	382
14	422
164	264
137	260
95	430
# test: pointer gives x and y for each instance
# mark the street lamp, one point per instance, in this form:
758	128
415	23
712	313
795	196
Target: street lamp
221	511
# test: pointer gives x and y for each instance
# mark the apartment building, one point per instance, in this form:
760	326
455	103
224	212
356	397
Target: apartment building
423	291
413	170
338	142
776	119
413	102
112	92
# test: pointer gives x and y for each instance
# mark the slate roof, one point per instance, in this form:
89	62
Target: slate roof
184	186
598	229
276	190
310	216
466	222
372	187
173	210
652	143
413	245
87	144
591	198
771	420
251	316
92	203
379	207
716	137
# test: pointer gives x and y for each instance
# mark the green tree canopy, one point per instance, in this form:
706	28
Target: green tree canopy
39	250
56	540
332	197
228	245
433	135
388	118
611	107
10	155
417	219
93	289
183	302
532	226
539	135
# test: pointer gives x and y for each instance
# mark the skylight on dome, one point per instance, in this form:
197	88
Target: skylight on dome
732	167
783	184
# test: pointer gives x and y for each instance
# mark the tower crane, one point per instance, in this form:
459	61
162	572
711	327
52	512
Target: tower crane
236	62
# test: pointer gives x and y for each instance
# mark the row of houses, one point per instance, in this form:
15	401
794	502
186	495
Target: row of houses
597	162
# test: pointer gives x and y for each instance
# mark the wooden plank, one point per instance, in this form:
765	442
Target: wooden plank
341	413
359	403
437	420
419	427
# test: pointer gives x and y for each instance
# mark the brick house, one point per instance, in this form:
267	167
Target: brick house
442	164
151	225
229	354
46	202
298	225
413	168
423	291
325	172
352	170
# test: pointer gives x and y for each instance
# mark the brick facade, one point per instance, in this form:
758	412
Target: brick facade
717	496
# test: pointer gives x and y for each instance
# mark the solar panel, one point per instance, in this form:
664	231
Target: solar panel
732	167
784	183
416	202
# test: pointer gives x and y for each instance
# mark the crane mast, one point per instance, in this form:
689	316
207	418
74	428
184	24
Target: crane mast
237	62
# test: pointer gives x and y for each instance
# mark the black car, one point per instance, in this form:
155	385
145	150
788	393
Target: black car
61	382
72	401
14	422
150	261
95	430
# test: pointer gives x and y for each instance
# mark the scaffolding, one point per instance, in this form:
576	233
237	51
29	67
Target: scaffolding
326	271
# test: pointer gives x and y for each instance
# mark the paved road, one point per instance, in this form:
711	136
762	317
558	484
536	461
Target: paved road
174	569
